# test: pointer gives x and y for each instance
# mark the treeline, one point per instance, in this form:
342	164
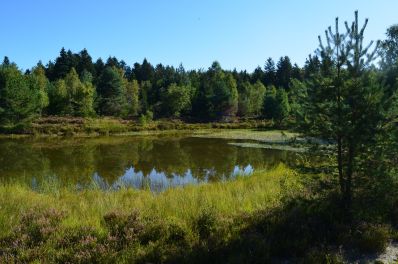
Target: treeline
74	85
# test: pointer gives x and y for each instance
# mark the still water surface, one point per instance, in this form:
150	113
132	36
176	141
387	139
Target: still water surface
140	162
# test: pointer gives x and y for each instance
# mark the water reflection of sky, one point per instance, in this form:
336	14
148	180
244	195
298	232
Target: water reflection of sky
142	163
158	180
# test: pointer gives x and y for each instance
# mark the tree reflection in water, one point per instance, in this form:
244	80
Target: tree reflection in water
140	162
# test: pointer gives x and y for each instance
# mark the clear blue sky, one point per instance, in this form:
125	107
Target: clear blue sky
237	33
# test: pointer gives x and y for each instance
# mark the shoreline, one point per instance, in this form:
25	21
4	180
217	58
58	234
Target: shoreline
93	127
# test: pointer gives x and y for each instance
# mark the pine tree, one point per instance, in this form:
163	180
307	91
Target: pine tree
344	104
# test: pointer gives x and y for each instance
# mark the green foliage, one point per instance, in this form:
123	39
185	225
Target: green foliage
344	105
132	97
390	47
276	104
116	89
40	82
20	99
146	118
206	223
372	238
251	99
298	91
58	97
217	96
111	93
84	98
177	99
71	96
80	95
146	88
284	72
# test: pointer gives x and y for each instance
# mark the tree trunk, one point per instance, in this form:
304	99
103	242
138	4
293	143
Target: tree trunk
347	196
340	163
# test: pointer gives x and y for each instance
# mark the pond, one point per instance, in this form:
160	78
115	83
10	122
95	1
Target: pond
155	162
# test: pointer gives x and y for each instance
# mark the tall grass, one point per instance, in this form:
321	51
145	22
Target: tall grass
262	190
264	218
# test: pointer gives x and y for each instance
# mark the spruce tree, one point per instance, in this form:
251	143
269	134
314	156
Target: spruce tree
111	93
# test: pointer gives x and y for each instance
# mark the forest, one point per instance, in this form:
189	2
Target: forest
74	85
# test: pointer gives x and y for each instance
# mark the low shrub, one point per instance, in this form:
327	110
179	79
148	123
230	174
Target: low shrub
317	256
36	226
206	224
371	238
124	229
80	245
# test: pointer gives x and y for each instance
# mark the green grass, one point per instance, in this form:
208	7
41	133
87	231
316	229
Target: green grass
260	191
268	139
268	146
266	136
265	218
192	224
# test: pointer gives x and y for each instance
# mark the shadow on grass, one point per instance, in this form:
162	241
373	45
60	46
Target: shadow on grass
303	230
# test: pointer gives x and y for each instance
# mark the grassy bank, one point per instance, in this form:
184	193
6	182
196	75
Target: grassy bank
246	194
184	217
269	217
76	126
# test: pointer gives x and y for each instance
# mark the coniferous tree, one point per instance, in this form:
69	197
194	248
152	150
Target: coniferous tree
85	63
312	66
269	72
257	75
390	47
6	61
111	93
276	105
217	96
270	103
344	105
389	60
284	72
63	64
99	67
